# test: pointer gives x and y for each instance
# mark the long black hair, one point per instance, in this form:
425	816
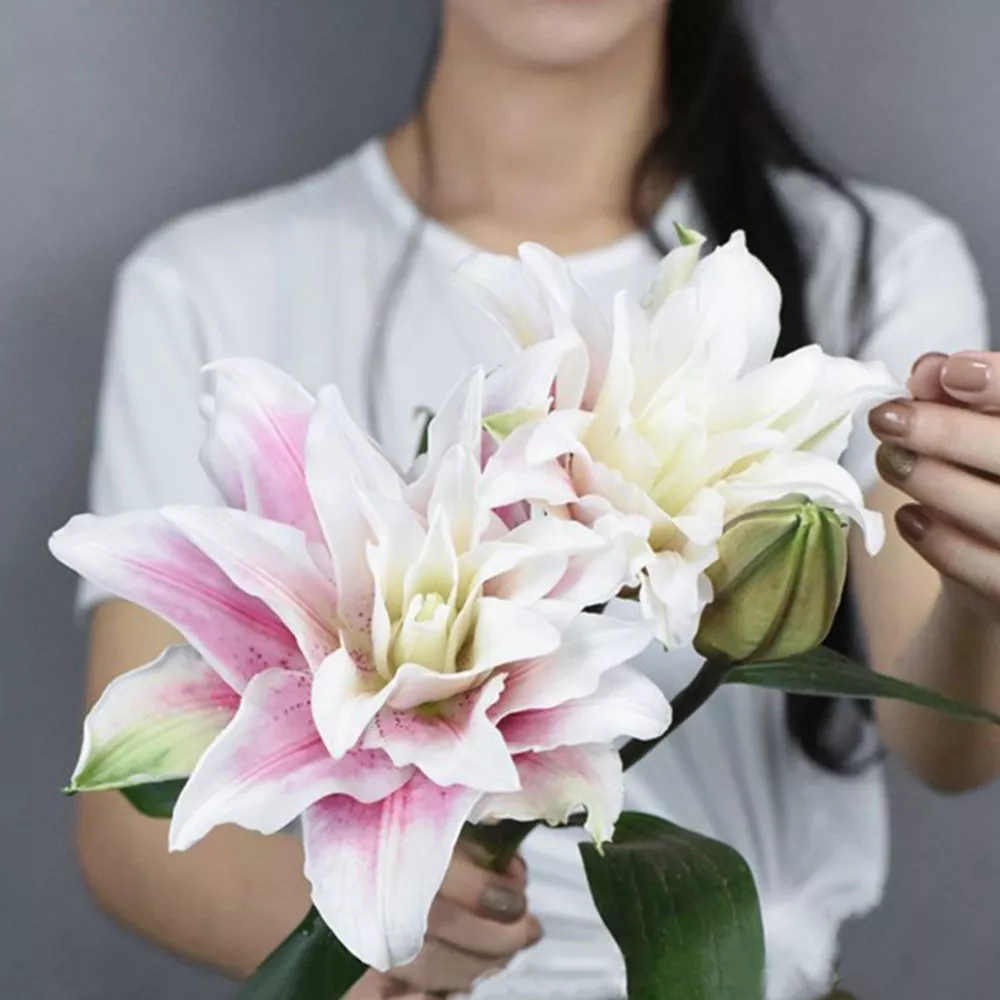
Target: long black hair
725	134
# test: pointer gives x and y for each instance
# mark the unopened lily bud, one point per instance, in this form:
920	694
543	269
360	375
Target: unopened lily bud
778	582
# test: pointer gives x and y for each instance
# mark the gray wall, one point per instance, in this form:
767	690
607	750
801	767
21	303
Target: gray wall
115	116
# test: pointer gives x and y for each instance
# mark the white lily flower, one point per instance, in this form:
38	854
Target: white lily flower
665	426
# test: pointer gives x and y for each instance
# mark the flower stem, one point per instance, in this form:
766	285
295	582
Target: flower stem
684	705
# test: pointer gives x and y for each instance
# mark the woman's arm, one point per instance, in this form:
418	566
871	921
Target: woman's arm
232	898
919	631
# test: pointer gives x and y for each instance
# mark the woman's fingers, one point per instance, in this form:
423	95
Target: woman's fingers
953	553
968	500
925	378
942	431
498	897
973	378
454	925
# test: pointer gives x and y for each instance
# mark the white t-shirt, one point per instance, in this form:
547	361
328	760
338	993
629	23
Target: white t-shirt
294	275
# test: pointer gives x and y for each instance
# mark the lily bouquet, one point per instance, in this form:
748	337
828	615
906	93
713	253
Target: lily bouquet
396	660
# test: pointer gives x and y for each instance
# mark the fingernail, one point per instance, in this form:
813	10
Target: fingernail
926	357
891	419
913	523
502	903
964	373
895	463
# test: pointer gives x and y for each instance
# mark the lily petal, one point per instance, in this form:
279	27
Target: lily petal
556	784
270	764
153	723
341	464
271	561
591	645
255	447
627	703
453	743
507	634
144	559
375	869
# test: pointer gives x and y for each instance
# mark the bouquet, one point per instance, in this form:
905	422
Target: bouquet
395	660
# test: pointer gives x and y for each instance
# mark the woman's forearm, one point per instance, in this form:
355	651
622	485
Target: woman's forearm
956	652
225	903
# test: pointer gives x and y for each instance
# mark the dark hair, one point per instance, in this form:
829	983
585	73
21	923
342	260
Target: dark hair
724	133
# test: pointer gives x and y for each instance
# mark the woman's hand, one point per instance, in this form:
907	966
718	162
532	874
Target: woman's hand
477	924
943	449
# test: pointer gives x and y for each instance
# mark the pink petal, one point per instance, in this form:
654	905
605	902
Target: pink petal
271	561
375	869
627	703
255	449
153	723
591	645
270	764
557	784
144	559
455	744
342	463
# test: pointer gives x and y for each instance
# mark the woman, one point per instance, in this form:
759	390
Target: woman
588	127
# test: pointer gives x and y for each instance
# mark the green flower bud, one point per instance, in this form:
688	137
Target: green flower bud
778	581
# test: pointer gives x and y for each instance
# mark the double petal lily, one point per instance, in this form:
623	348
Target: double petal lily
661	427
384	656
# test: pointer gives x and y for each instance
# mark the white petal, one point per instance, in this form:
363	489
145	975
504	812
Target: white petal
341	464
626	703
375	869
556	784
675	271
153	723
505	633
591	645
270	764
675	592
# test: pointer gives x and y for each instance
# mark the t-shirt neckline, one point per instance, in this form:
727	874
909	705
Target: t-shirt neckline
455	248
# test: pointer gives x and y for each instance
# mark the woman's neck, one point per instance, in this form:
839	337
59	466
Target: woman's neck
519	152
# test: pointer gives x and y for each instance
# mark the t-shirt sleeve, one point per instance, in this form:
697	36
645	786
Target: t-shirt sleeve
149	429
926	297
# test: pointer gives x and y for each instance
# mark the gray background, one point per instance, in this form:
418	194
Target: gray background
118	114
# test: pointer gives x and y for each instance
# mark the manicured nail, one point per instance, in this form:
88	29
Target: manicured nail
895	464
966	373
501	903
891	419
913	523
926	357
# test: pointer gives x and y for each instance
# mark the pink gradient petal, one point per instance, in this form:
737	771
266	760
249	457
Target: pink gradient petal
270	764
273	562
255	448
153	723
591	645
626	703
144	559
557	784
375	869
453	744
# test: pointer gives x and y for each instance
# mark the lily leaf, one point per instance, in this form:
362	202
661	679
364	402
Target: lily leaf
156	799
310	964
683	909
824	672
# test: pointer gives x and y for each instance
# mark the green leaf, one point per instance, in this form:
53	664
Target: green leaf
156	799
683	909
687	237
824	672
310	964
